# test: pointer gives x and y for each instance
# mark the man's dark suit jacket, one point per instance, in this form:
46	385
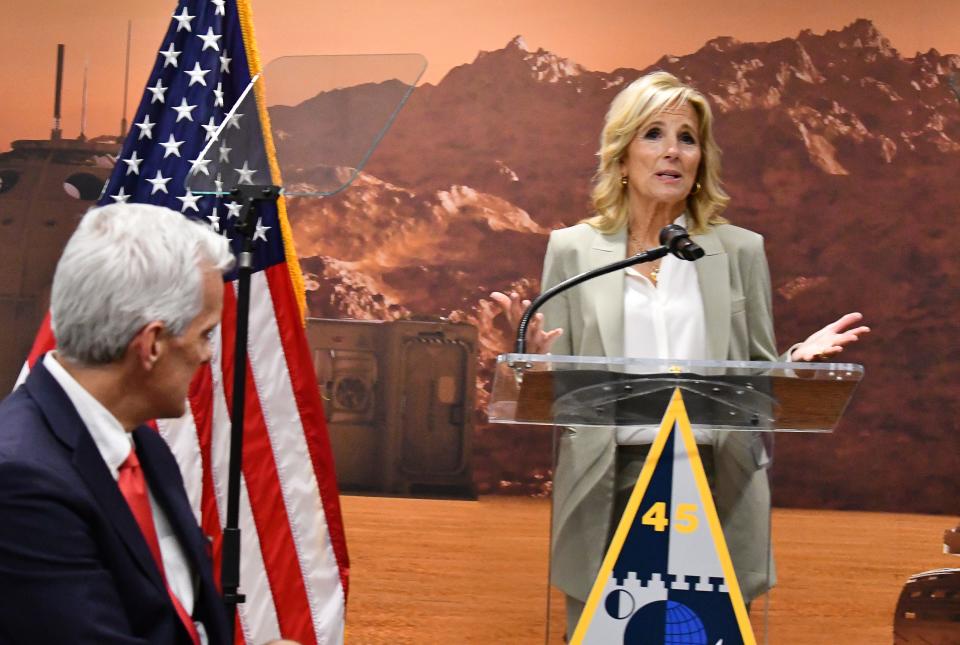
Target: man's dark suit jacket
74	566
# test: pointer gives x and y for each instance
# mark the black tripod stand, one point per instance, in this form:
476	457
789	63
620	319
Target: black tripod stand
250	198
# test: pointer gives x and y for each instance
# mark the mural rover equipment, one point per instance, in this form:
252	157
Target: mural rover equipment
399	399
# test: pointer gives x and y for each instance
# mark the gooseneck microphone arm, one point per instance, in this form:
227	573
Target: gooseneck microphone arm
673	239
639	258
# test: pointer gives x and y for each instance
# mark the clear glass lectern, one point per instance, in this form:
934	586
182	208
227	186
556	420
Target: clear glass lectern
734	407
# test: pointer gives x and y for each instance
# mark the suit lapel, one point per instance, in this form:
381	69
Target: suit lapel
605	294
713	275
166	485
163	486
69	429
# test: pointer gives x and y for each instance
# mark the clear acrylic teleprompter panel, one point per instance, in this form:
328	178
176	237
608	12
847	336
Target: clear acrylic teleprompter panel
720	395
327	115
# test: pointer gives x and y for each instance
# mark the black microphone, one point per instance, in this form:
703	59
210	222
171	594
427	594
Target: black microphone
673	239
676	238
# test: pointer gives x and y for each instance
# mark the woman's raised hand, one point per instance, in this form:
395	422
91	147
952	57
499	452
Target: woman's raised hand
538	340
830	340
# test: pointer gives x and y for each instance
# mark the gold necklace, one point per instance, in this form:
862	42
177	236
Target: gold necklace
655	268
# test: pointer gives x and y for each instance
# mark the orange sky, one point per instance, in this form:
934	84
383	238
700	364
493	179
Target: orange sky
449	33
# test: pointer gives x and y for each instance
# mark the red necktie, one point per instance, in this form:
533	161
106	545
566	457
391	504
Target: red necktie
133	486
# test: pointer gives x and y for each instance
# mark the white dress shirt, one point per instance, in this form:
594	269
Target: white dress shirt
665	320
114	444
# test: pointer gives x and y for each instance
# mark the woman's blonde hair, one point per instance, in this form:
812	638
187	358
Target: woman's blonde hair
636	105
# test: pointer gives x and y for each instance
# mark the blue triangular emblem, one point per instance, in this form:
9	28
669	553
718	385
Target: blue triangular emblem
667	577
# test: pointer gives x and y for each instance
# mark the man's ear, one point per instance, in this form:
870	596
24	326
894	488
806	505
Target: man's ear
148	345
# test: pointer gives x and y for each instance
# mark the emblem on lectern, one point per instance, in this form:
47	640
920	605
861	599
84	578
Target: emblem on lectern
667	577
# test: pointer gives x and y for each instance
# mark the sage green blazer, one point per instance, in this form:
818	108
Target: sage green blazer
735	286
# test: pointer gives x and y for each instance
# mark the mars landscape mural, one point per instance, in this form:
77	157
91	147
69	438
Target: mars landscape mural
841	150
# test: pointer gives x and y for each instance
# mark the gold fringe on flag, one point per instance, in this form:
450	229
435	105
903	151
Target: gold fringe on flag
253	60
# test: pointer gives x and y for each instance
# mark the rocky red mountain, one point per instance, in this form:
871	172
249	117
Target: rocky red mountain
842	151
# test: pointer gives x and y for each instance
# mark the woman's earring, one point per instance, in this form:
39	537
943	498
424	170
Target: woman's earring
696	188
624	181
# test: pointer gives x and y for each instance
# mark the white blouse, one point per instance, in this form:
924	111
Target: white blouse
663	321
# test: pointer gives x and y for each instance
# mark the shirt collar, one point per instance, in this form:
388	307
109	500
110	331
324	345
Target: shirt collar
112	441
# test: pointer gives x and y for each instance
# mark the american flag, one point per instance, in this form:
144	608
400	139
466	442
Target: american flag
294	559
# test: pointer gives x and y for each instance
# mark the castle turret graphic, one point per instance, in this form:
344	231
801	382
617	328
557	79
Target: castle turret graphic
667	577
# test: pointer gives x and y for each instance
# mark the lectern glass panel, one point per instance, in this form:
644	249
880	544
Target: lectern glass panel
719	395
699	515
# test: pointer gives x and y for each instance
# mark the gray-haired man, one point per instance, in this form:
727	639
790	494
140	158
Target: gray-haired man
98	542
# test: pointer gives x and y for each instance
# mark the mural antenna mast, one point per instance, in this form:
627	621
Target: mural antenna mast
83	103
126	83
56	132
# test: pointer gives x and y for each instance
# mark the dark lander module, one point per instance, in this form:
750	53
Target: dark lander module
45	186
